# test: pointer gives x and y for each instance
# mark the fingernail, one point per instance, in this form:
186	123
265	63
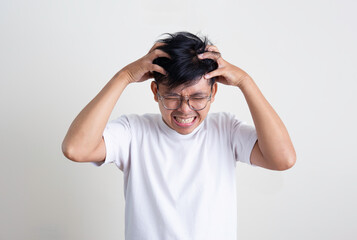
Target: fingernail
200	55
207	76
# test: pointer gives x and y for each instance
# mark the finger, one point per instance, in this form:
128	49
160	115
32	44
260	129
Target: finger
159	53
156	45
215	73
212	55
212	48
157	68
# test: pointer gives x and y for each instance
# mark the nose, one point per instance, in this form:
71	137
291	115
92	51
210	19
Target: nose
185	108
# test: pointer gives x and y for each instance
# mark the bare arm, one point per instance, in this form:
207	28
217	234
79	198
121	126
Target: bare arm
83	141
274	149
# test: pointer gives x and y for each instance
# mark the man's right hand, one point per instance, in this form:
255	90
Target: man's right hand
143	68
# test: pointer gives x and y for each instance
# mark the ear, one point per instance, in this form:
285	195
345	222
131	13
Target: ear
214	91
154	90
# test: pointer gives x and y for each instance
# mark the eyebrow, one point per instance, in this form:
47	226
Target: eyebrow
199	94
196	94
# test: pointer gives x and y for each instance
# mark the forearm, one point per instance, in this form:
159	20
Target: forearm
273	138
85	132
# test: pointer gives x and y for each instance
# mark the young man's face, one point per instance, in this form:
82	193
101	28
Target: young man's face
184	119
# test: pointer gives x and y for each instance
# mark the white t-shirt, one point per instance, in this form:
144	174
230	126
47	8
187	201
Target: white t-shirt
180	187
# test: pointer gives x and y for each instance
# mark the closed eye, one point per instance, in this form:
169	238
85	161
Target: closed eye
172	95
198	98
172	98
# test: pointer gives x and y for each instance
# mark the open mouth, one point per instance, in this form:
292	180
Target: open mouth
184	121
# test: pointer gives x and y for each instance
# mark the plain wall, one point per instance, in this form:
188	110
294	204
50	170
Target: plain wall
55	56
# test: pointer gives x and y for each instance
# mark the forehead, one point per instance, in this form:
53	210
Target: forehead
203	85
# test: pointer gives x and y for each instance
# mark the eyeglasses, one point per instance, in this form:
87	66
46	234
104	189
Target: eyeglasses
174	103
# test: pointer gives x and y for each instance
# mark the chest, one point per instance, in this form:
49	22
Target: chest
182	168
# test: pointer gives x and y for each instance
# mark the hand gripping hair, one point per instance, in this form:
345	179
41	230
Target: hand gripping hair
184	67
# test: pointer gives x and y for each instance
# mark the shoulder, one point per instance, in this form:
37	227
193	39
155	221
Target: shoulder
138	122
148	118
220	118
135	124
220	122
223	121
220	115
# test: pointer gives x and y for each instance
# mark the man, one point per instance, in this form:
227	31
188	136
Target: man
179	167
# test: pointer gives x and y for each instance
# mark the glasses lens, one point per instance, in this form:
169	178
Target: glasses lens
198	103
172	103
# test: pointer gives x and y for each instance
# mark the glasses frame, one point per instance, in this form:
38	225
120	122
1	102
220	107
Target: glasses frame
187	99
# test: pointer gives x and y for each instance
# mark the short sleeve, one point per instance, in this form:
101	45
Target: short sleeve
117	138
243	138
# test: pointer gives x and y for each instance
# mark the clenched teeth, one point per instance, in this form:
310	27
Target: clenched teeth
184	120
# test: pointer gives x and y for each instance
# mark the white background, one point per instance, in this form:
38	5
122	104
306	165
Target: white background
55	56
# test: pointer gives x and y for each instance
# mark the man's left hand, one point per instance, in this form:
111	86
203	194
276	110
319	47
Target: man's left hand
226	73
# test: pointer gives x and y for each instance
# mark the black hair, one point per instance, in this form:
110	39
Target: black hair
184	67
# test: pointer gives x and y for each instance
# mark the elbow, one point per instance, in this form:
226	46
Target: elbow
287	162
70	152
